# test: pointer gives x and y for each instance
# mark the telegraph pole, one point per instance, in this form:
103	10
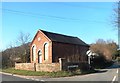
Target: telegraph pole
119	25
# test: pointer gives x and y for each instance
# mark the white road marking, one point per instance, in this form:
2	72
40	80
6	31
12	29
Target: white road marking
113	79
37	79
42	80
32	78
117	71
27	78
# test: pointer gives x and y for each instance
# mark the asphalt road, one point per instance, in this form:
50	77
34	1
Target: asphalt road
110	75
103	75
12	78
16	79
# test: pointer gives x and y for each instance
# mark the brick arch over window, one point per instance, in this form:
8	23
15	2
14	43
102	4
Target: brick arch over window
33	52
46	51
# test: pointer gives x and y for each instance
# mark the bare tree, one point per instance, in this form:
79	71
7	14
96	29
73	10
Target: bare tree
17	53
116	14
23	40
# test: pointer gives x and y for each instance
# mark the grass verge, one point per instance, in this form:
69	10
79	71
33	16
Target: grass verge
46	74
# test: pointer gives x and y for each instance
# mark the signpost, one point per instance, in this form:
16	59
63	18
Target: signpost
89	53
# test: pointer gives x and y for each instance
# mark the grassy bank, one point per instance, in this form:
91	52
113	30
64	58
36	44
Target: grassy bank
46	74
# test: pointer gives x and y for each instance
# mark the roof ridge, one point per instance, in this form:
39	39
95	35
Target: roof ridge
59	34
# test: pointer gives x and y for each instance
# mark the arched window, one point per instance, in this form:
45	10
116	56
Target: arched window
33	53
39	56
45	51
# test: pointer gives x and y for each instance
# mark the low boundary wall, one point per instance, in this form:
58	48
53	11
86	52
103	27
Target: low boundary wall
25	66
47	67
52	67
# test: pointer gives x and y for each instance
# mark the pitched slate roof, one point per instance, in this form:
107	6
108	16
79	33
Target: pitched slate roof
64	38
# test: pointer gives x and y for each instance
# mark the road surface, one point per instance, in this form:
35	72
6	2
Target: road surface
12	78
103	75
108	74
15	79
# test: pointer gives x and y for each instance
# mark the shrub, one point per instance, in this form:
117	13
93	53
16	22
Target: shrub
118	59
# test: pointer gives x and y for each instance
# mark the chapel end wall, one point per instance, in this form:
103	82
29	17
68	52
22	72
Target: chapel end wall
39	43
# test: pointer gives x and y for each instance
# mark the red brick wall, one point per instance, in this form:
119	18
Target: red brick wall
74	53
40	46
